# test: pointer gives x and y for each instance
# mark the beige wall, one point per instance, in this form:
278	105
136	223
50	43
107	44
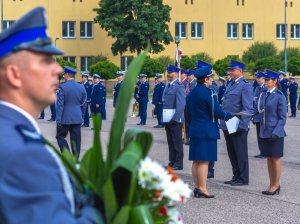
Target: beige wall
215	14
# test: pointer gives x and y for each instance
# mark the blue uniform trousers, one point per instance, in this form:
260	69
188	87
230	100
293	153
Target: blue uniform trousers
53	111
237	148
293	103
257	135
211	166
159	111
42	115
75	137
87	115
143	112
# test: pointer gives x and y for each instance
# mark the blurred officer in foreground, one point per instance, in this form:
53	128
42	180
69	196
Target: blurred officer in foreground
238	98
293	88
272	106
157	99
120	77
71	100
35	187
260	78
98	98
221	90
173	107
88	90
142	98
203	112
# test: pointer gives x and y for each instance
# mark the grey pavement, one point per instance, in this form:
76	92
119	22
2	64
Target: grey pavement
244	204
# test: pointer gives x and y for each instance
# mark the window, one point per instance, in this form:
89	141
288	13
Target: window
280	31
68	29
125	61
180	30
86	29
7	23
70	59
232	31
84	63
295	31
196	31
247	31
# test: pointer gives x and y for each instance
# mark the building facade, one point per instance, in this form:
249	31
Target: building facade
217	27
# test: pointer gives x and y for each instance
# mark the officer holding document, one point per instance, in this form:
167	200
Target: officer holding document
173	107
238	98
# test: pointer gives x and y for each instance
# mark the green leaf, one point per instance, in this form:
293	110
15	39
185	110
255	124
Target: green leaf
118	123
122	216
141	214
110	200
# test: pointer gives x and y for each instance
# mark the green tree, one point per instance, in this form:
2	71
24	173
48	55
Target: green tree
165	60
221	65
98	58
152	66
187	63
106	69
134	24
63	63
273	63
291	53
259	50
294	65
202	56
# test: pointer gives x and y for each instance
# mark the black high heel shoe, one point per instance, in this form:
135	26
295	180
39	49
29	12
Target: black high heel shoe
199	194
272	193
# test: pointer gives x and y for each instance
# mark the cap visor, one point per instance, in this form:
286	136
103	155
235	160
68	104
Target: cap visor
48	49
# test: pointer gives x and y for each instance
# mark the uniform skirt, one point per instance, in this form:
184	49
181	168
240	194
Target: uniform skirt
203	149
272	148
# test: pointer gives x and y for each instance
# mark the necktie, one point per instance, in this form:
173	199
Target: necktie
268	94
187	88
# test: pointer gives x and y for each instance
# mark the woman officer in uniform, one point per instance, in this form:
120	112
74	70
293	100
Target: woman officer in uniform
203	112
272	106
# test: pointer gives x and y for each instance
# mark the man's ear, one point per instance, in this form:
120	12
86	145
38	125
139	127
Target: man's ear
12	75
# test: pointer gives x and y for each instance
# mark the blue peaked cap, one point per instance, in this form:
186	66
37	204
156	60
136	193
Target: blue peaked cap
28	33
84	75
281	73
142	76
96	76
158	75
120	73
172	68
259	74
233	64
184	71
191	72
221	79
205	71
269	74
201	64
70	70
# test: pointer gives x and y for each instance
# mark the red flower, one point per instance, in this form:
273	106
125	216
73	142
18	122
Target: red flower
163	211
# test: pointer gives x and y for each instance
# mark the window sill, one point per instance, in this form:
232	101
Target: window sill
86	37
68	37
248	38
196	38
280	38
183	38
296	38
232	38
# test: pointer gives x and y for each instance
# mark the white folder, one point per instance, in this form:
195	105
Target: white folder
168	115
232	125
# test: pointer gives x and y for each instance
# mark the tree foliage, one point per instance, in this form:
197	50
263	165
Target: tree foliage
202	56
98	58
63	63
165	60
221	65
294	65
152	66
291	53
259	50
187	63
106	69
273	63
133	24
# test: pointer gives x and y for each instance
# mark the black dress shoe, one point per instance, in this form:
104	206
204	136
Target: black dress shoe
177	167
142	123
229	181
238	183
51	119
259	156
40	118
170	164
199	194
270	192
210	174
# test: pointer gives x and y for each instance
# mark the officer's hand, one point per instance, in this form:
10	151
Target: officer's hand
238	116
228	116
273	137
173	122
97	105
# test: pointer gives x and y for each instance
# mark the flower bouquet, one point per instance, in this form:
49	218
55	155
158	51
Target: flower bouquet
126	186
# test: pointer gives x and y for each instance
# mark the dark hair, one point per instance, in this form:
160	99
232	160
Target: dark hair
278	86
201	80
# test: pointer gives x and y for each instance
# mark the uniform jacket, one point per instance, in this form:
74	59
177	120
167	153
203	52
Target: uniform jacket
274	114
143	92
284	85
158	93
214	86
254	85
88	90
185	82
32	187
238	97
203	112
98	95
174	98
293	87
116	91
221	92
70	106
257	117
228	82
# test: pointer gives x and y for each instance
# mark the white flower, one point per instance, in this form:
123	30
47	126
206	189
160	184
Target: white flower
174	215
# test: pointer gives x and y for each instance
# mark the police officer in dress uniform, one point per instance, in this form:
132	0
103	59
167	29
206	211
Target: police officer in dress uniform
98	98
238	98
183	77
142	98
53	111
272	107
120	77
228	78
71	99
283	83
174	104
221	90
88	90
157	99
35	187
260	78
90	80
293	88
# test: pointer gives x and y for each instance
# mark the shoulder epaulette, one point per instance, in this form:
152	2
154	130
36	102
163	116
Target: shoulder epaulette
279	92
245	81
